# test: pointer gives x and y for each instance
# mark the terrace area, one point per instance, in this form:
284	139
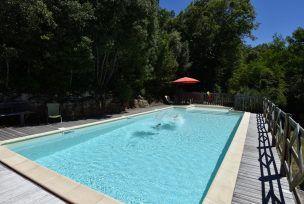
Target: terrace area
258	178
193	101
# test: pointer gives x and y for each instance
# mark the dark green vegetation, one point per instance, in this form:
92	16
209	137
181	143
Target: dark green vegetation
131	47
275	70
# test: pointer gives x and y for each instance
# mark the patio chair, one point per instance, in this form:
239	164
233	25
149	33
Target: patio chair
53	111
168	100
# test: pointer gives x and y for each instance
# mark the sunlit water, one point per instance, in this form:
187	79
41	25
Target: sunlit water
167	157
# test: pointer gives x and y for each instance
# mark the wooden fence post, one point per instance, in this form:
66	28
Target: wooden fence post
269	118
264	107
284	150
274	126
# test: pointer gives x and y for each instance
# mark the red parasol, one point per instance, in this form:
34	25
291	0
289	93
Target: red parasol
186	80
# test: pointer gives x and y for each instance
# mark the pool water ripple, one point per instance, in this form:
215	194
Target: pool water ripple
164	157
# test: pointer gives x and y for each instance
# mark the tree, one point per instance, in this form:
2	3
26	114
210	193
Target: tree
214	30
295	73
124	42
24	28
262	71
70	57
7	53
171	55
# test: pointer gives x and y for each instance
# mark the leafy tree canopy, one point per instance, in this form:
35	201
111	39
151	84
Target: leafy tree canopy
67	47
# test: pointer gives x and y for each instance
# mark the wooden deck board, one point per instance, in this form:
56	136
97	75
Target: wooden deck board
15	132
258	179
16	189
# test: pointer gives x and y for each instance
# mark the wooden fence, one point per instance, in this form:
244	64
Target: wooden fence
203	98
238	102
288	137
248	103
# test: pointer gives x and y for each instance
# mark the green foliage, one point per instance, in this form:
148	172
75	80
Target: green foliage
295	74
131	47
171	56
262	70
50	43
124	34
275	70
71	46
123	91
257	78
214	30
295	65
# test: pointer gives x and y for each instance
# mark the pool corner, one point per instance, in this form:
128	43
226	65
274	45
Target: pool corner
55	183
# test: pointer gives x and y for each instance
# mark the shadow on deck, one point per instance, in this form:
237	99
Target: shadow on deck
270	175
259	179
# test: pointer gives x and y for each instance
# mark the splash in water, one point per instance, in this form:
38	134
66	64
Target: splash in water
170	122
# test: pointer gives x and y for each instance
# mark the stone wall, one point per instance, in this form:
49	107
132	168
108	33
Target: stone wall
72	108
140	103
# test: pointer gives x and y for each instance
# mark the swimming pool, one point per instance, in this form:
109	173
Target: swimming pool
170	156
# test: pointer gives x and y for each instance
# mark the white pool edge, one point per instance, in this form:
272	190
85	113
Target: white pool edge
102	121
60	130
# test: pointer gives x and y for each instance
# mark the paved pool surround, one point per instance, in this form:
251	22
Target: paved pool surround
220	191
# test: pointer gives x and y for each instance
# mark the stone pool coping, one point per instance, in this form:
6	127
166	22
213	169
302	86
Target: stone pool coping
57	184
74	192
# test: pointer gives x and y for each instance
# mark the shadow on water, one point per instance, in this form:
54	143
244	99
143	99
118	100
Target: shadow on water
148	134
144	134
139	136
270	176
168	126
165	126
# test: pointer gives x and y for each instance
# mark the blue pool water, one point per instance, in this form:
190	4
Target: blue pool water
169	156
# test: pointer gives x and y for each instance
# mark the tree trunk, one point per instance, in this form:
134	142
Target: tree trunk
71	79
7	73
103	101
97	66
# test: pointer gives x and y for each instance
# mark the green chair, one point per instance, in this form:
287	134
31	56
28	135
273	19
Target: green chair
53	111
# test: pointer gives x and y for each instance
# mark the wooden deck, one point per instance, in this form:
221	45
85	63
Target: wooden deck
7	133
258	179
16	189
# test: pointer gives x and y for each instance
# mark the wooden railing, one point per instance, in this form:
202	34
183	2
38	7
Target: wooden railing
238	102
203	98
288	137
248	103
